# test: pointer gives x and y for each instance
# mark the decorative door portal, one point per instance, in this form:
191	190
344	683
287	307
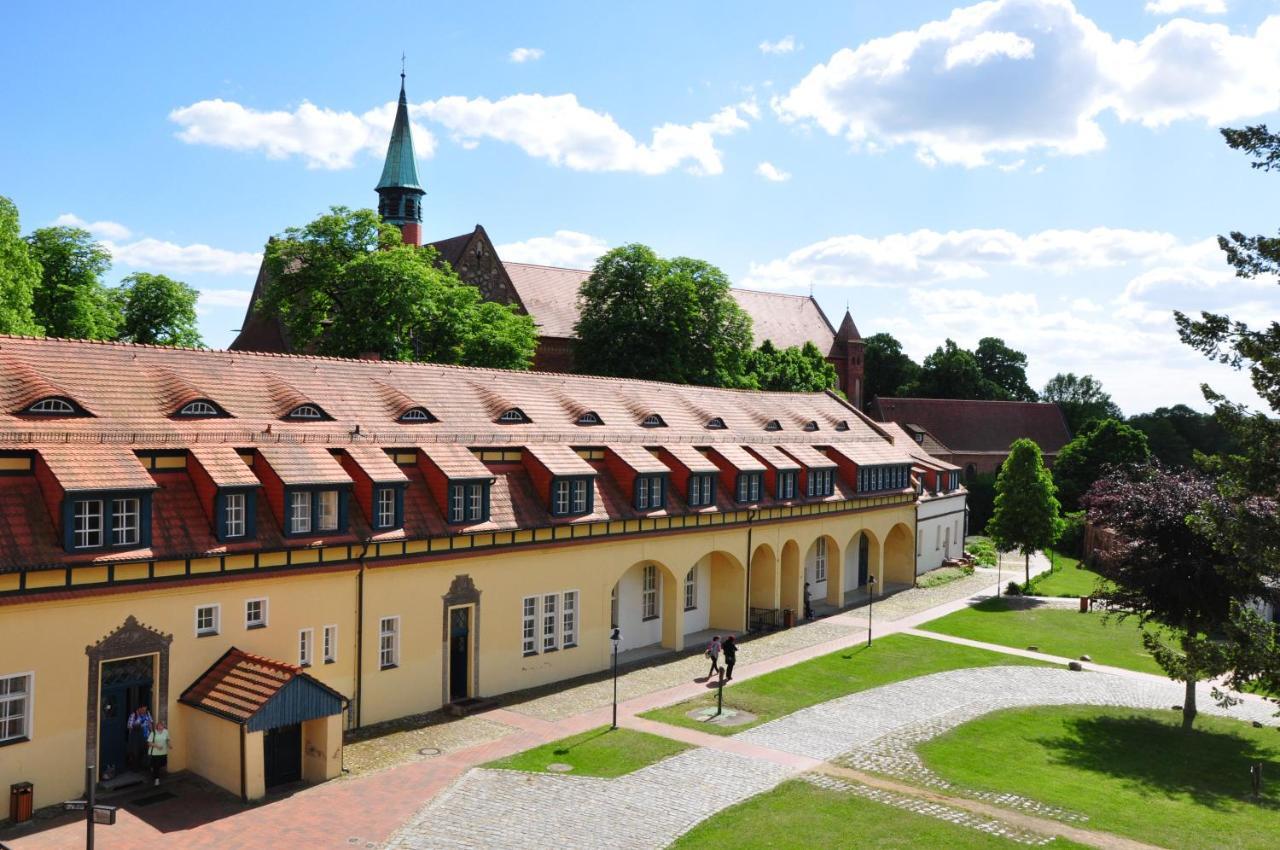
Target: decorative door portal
126	685
460	624
459	653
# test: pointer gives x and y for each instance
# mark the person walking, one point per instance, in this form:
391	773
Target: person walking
730	649
713	652
138	729
158	747
808	603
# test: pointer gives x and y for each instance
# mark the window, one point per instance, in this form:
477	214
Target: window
389	642
649	492
715	424
549	622
811	425
53	406
199	408
787	485
821	482
330	648
475	502
306	637
306	411
691	588
87	529
649	599
468	502
749	486
560	502
207	617
513	415
417	414
579	496
820	560
125	529
386	509
328	519
702	490
773	425
842	425
530	625
613	607
919	437
255	613
653	420
16	692
233	508
590	418
569	628
300	512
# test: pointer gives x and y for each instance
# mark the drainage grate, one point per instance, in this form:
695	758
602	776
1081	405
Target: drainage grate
152	799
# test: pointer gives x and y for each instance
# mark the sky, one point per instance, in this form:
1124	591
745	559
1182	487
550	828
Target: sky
1043	171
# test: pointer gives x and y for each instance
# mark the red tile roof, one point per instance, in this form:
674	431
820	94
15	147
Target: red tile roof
871	453
94	467
972	427
693	460
739	458
375	463
224	465
560	460
240	684
774	457
903	440
455	461
300	464
808	457
640	459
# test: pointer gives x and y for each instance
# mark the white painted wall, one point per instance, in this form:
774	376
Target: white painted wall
700	618
817	589
939	530
636	632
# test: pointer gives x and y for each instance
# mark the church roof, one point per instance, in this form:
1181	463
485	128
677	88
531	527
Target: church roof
401	168
973	427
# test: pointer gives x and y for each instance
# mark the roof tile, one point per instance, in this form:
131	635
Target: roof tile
301	464
81	468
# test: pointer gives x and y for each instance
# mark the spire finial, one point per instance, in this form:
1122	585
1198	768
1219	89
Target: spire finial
402	66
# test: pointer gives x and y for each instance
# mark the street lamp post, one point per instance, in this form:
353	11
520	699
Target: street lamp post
616	637
871	598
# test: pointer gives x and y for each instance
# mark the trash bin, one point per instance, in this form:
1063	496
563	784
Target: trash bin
788	618
21	799
1084	604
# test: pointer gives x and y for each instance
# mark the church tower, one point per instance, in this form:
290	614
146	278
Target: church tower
850	340
399	193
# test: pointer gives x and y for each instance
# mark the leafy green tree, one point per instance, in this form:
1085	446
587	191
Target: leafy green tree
1167	569
643	316
71	301
158	310
887	370
345	285
1100	445
19	276
952	372
795	369
1082	399
1005	369
1176	433
1027	514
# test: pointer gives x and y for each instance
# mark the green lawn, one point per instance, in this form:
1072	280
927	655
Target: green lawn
889	659
600	752
799	815
1057	631
1134	773
1067	579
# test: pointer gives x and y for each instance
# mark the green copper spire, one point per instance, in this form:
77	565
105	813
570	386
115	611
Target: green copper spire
401	169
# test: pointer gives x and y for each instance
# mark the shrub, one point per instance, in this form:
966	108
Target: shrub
1014	589
982	550
1070	540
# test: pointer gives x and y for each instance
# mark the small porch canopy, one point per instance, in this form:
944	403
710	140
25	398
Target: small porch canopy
261	693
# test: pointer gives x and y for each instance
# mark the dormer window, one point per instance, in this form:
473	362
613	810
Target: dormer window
590	418
715	423
200	407
107	520
651	492
571	496
811	425
54	406
653	420
514	416
306	411
417	414
748	489
773	425
919	437
842	425
468	501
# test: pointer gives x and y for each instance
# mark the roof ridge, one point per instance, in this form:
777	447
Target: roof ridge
544	266
970	400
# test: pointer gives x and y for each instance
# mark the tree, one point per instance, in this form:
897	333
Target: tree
1167	569
1004	369
794	369
19	276
1176	433
952	372
1026	514
1082	400
158	310
71	301
887	370
1100	445
642	316
345	285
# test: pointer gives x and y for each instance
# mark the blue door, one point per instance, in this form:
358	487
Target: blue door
126	685
864	545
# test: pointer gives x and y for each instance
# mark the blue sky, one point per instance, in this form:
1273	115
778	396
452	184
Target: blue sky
1039	170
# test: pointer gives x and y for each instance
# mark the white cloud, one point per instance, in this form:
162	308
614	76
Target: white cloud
323	138
562	131
225	298
1013	76
786	44
1174	7
100	229
566	248
771	172
525	54
156	255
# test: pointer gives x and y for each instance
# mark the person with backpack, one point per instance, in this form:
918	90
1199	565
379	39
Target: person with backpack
730	649
713	652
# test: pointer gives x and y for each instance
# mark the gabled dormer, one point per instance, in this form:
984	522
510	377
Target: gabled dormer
99	496
460	484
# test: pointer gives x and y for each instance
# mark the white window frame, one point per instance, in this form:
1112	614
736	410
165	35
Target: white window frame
512	415
691	589
306	411
306	646
300	512
475	502
126	521
27	699
389	642
56	406
613	608
261	622
234	509
198	408
82	535
695	490
649	602
820	560
529	625
386	509
329	644
216	627
755	486
560	505
579	496
569	619
327	519
549	633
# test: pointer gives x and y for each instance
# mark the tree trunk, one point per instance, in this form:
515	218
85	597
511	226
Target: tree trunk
1189	706
1027	557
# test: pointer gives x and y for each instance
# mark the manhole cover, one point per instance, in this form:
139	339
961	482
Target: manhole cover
559	767
429	751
